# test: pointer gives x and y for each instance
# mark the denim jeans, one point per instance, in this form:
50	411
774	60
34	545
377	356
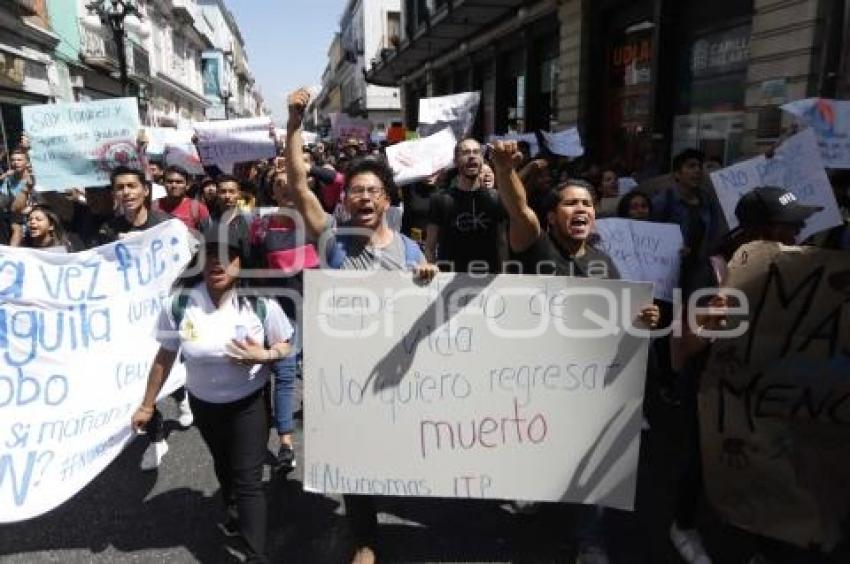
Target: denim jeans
284	389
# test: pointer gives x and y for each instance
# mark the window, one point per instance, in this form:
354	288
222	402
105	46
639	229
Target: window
393	29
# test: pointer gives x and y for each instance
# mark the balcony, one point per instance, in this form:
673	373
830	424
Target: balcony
184	10
99	49
452	22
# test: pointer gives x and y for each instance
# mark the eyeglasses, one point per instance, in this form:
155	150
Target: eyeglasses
361	191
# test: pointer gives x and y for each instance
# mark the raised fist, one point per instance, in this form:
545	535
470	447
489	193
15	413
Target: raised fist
298	101
506	154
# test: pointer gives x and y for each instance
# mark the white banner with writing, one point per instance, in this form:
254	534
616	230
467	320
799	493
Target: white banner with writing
76	344
831	121
415	160
457	111
796	166
503	387
226	143
644	251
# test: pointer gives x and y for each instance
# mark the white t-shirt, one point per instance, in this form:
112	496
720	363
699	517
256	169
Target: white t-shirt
204	332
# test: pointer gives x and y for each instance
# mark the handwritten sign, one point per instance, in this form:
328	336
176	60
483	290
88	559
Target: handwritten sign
78	144
228	142
796	166
457	111
465	387
644	251
76	347
775	402
175	147
345	127
412	161
830	120
566	143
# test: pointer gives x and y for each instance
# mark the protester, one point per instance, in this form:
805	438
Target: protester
15	186
45	231
767	213
221	336
207	194
564	251
464	219
488	178
635	205
366	243
176	203
608	193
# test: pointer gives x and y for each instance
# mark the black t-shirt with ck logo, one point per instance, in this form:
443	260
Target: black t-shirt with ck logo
470	223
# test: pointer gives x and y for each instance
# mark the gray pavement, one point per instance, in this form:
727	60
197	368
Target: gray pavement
126	515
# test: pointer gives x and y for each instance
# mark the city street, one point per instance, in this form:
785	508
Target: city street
126	515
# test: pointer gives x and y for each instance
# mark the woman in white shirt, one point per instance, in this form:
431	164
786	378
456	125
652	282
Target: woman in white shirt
223	337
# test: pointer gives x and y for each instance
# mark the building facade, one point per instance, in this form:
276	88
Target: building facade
642	79
366	28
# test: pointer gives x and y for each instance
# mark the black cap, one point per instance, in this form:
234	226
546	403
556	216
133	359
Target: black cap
771	204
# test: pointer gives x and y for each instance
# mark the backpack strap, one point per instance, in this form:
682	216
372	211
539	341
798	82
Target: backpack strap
178	307
412	252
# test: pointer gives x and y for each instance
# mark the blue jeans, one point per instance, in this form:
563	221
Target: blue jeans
284	389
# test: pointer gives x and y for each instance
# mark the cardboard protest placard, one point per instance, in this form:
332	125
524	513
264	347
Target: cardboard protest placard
644	251
566	143
76	145
174	147
412	161
830	120
78	342
457	111
775	402
796	166
466	386
228	142
345	127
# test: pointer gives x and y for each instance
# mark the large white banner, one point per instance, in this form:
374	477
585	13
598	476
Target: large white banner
415	160
76	345
831	121
226	143
644	251
503	387
457	111
796	166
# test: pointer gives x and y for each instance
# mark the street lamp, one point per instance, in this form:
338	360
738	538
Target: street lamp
112	14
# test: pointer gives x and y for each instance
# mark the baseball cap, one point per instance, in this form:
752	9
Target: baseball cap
771	204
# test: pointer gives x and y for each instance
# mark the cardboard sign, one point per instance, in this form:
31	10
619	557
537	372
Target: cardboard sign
644	251
78	144
467	386
78	342
457	111
775	402
345	127
175	147
830	119
566	143
412	161
226	143
797	167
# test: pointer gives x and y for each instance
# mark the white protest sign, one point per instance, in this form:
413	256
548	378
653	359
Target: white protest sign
78	144
344	127
644	251
457	111
412	161
566	143
530	138
77	344
226	143
796	166
831	121
467	387
175	146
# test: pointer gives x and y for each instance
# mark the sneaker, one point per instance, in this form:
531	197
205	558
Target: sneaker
186	418
152	457
230	526
688	544
592	554
286	459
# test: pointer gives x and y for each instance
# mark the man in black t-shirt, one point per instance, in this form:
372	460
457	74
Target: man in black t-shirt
464	221
132	195
564	250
